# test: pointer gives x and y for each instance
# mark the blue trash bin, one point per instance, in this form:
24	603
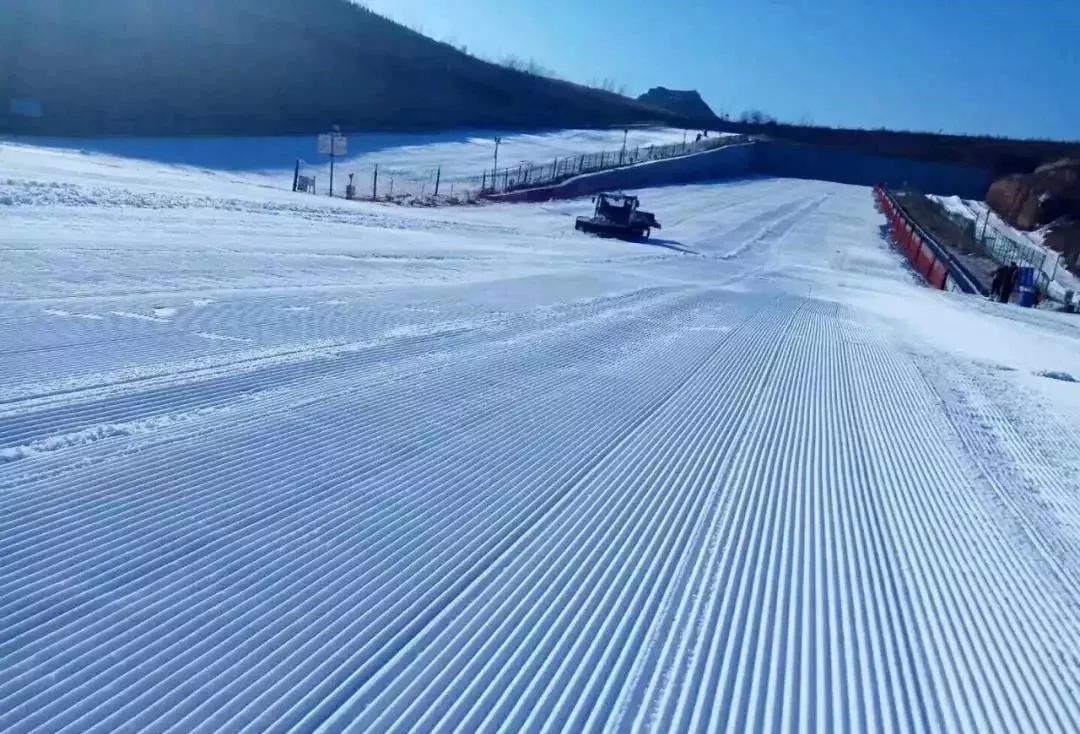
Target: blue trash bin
1027	293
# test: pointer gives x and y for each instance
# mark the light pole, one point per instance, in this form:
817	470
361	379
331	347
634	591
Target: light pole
495	169
622	155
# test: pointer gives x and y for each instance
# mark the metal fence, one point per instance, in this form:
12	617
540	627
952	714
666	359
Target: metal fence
1002	249
533	175
430	186
374	182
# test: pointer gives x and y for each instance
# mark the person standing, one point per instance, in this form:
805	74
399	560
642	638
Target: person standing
1010	282
997	285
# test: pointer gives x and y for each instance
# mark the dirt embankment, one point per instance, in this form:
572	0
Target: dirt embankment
1049	196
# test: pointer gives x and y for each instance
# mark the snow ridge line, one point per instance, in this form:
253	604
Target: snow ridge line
224	364
102	431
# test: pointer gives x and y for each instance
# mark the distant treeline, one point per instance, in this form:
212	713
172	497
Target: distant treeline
1000	156
158	67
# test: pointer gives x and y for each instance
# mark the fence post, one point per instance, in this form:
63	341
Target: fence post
296	176
483	183
554	166
506	180
438	178
375	184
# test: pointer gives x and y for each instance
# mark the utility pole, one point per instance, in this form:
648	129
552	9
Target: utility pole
495	169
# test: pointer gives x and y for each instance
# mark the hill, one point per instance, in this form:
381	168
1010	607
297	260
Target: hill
154	67
688	104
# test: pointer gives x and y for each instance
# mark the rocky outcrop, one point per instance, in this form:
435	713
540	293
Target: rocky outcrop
686	103
1035	200
1065	238
1049	196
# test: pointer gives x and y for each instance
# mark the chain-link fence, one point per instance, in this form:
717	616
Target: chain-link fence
533	175
372	182
1002	249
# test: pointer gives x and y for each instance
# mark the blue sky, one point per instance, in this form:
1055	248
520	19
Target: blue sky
995	67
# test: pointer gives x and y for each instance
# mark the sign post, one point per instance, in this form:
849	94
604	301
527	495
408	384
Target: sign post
333	144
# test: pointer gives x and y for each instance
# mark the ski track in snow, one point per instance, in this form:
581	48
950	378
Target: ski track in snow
588	486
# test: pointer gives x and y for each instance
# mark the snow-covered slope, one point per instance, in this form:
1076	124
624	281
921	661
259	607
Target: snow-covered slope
281	463
269	161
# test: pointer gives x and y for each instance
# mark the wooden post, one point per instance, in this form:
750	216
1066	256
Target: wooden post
375	184
296	176
438	177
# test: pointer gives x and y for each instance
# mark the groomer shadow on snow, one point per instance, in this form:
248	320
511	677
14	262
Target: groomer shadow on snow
667	244
651	241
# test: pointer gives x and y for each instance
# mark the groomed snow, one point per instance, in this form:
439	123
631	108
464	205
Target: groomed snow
272	462
408	158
